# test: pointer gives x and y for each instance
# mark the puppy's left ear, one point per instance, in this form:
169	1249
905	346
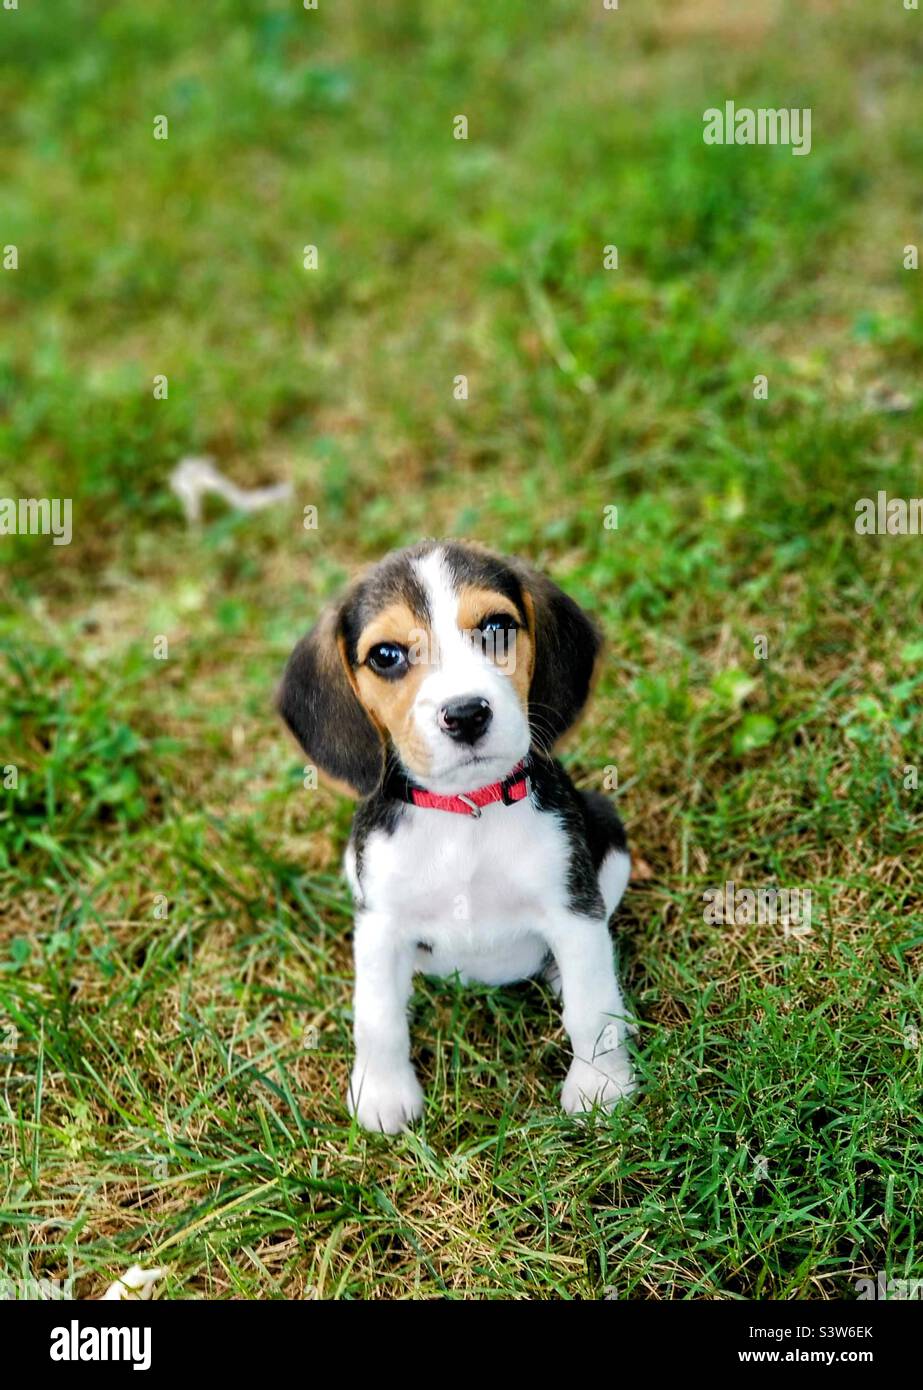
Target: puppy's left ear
566	643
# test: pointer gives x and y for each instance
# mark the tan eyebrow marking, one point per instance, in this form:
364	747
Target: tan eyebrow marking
396	623
476	603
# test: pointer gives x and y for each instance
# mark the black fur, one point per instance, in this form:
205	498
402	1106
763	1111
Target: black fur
604	830
479	568
316	699
320	707
567	644
376	812
592	827
392	580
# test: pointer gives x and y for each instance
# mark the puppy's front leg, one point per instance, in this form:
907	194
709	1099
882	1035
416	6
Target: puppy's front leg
384	1093
594	1014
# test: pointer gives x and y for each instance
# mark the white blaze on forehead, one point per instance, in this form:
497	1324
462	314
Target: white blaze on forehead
442	598
459	668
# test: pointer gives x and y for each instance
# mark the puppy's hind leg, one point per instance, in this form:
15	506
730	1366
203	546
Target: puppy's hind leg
608	846
614	873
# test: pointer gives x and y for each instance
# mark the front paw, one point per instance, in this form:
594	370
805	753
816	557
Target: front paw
385	1101
603	1082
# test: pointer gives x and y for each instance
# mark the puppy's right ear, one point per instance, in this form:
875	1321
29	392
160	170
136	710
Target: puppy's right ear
319	704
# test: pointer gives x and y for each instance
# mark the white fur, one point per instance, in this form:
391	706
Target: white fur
613	878
487	896
460	668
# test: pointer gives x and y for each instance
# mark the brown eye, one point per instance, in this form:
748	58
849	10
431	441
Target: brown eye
388	659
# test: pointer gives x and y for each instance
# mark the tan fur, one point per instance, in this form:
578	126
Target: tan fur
390	703
476	604
342	715
396	623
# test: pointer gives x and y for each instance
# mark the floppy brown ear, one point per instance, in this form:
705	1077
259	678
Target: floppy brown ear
320	706
566	643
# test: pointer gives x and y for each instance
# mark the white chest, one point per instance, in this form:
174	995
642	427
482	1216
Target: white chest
467	887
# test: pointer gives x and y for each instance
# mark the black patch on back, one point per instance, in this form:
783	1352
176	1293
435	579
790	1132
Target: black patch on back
591	825
604	829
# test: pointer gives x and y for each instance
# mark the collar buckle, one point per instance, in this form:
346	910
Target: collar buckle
523	775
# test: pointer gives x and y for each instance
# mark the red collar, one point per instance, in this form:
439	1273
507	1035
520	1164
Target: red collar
516	787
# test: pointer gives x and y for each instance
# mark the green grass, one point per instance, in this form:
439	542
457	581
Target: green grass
173	918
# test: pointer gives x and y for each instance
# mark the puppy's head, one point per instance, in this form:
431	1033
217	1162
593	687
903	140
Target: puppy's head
450	659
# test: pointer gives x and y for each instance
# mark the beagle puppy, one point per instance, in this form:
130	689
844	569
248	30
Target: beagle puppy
435	690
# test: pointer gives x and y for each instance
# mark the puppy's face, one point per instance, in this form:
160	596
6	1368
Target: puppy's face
449	658
440	654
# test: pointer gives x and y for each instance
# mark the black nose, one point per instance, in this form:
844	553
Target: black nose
465	720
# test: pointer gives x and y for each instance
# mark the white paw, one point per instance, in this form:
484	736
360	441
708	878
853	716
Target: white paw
385	1101
603	1082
